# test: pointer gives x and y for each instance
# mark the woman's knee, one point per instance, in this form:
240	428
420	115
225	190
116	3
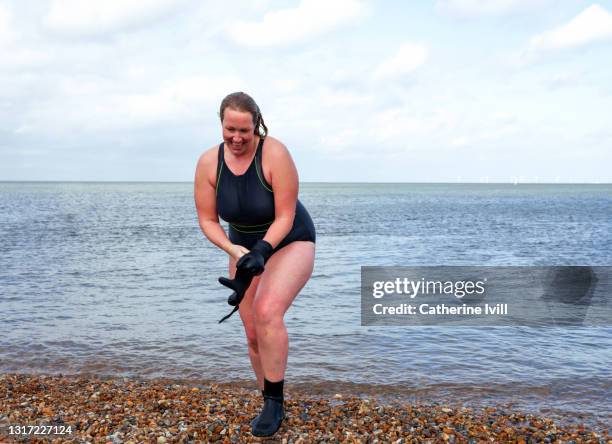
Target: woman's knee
251	335
267	313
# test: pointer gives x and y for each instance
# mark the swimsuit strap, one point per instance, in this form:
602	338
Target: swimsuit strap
259	167
219	165
259	147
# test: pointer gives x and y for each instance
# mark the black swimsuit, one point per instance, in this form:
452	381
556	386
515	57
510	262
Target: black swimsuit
246	202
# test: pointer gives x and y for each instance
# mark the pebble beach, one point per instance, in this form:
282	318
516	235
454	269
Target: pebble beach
115	410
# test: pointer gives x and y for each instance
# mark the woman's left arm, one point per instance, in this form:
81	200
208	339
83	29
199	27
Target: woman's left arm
284	181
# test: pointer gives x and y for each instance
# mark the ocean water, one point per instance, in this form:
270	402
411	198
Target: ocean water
117	279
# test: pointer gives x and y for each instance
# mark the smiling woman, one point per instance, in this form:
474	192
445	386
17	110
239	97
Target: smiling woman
251	181
241	120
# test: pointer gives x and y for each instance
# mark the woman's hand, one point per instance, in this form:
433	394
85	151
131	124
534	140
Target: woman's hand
237	251
254	262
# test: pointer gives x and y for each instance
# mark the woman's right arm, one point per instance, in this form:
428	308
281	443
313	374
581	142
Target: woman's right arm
206	205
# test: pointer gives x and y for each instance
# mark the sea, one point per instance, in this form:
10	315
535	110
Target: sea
117	279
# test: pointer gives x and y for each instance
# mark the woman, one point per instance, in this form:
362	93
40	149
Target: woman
251	181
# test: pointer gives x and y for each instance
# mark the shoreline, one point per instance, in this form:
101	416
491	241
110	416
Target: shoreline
117	410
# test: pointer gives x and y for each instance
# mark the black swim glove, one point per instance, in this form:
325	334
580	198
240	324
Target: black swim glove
239	284
255	260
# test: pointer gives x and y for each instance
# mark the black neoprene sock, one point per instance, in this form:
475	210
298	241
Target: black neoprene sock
269	420
273	389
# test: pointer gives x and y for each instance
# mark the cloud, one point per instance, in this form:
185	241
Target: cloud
408	58
179	100
481	8
288	26
484	136
15	55
388	131
564	79
594	24
77	17
84	104
6	34
18	58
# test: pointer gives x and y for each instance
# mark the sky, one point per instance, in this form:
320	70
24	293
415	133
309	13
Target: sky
358	90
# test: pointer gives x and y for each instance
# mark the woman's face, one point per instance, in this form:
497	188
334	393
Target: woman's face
238	130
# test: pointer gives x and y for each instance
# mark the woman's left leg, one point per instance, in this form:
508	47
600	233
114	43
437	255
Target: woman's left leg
285	275
287	271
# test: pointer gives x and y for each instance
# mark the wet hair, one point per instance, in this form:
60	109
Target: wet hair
240	101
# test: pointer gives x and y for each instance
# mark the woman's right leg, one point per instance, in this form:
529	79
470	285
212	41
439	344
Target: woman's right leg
248	320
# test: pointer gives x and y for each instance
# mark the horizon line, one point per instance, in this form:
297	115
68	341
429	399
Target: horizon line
320	182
